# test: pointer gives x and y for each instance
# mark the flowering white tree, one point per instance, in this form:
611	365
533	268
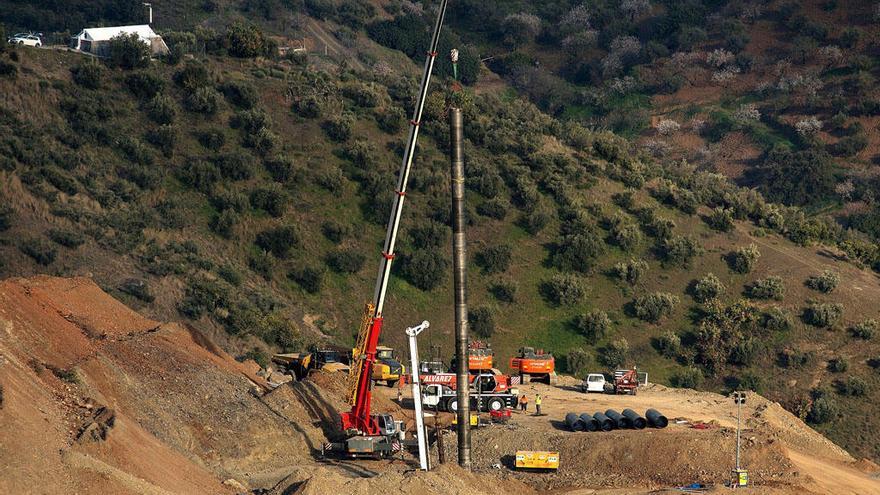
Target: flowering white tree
382	68
667	127
626	46
831	55
725	75
656	148
577	42
698	125
521	28
719	58
845	190
623	85
808	127
575	20
747	112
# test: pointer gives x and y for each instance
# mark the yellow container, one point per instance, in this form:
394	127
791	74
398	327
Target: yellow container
537	459
741	477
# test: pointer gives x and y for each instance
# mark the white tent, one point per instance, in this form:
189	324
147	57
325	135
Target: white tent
94	40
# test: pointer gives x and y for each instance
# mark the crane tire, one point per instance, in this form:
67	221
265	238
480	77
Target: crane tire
495	404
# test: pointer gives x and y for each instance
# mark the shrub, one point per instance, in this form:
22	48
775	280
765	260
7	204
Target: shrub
689	377
708	288
331	180
200	175
391	120
669	344
67	238
823	315
164	138
346	260
654	307
428	235
39	250
853	386
794	359
721	219
310	278
504	290
481	322
282	169
630	271
679	251
776	319
271	199
743	259
593	325
307	107
535	220
203	100
577	362
626	236
230	274
564	290
866	329
493	208
212	139
161	109
823	410
749	381
240	94
425	268
339	128
237	165
224	223
192	76
137	288
495	258
257	355
279	240
334	231
838	365
128	52
614	354
88	74
247	41
144	84
262	263
578	252
5	217
768	288
743	353
826	282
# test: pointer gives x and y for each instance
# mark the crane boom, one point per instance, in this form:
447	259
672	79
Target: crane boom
359	419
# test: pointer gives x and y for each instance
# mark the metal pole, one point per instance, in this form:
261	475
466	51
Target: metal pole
459	263
421	431
738	415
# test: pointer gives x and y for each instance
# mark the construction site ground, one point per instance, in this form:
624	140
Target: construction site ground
94	398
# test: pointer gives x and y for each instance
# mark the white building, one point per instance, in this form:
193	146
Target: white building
97	40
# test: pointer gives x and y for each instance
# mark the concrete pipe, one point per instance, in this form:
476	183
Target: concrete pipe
574	422
590	424
635	419
605	423
620	420
655	419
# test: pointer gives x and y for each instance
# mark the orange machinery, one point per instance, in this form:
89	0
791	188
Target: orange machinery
534	364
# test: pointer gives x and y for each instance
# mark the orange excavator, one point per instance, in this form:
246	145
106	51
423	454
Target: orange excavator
535	365
480	357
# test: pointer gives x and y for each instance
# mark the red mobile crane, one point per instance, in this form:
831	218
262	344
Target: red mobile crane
369	434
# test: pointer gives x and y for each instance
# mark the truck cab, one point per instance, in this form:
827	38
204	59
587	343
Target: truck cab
595	382
386	367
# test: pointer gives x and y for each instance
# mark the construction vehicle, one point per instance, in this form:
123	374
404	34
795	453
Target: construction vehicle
534	365
532	459
625	382
300	364
387	368
365	433
490	391
480	357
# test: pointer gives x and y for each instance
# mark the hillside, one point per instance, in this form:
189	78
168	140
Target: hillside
247	195
98	399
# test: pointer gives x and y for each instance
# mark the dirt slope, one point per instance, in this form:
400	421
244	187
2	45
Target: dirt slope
98	399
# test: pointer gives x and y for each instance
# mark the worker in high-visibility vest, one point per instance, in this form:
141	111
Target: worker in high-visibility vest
537	404
523	403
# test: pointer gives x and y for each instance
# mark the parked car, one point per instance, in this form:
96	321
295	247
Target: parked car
595	382
26	39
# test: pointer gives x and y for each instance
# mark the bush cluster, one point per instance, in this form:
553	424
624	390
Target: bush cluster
495	258
564	290
707	288
865	330
826	282
679	251
481	321
593	325
504	290
614	354
768	288
689	377
310	278
743	259
630	271
346	260
823	315
425	268
279	240
655	306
